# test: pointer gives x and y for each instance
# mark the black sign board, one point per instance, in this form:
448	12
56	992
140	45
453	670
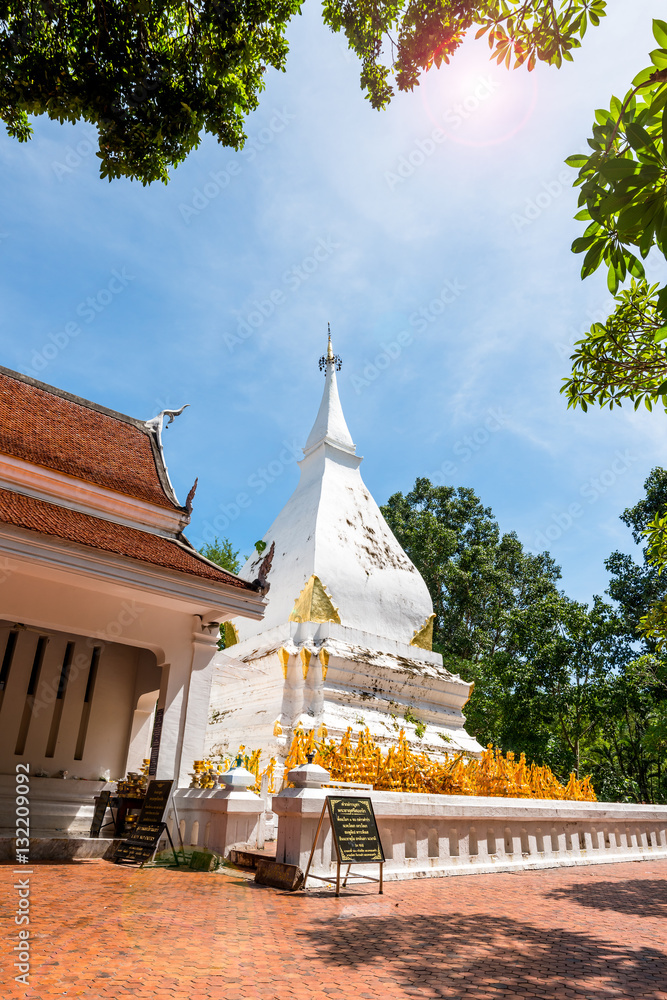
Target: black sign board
141	846
354	830
101	806
155	742
355	836
155	802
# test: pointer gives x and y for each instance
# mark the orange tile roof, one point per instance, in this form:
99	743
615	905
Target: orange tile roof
74	526
59	431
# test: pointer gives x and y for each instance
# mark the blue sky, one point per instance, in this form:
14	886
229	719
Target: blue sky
433	236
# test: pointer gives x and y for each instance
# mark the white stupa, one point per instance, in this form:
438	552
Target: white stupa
346	638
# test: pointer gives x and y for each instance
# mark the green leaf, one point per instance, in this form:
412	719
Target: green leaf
660	32
583	243
637	136
659	58
618	168
593	258
660	334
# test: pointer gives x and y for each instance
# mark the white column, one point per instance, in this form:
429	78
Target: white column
197	703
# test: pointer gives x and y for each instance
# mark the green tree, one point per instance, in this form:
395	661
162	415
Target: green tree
629	752
576	687
638	587
572	650
222	552
492	602
623	202
476	577
151	75
631	749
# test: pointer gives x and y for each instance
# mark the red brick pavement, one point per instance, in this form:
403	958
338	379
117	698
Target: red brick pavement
108	933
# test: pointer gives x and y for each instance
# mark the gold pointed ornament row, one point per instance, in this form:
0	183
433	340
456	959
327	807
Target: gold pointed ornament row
305	656
283	656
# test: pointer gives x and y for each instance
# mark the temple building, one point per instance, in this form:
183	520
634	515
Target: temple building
109	618
346	639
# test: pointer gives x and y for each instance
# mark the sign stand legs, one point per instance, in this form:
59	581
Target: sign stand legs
173	849
312	850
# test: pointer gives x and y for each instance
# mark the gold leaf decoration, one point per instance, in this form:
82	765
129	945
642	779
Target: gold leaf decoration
324	660
314	604
423	637
305	655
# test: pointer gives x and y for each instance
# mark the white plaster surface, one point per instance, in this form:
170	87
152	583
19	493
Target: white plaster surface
217	820
59	807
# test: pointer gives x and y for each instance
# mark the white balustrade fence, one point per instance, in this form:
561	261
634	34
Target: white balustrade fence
426	835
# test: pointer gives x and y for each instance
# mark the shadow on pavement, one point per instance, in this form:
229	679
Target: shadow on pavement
466	956
643	897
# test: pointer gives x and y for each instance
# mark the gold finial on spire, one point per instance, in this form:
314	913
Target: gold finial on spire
329	358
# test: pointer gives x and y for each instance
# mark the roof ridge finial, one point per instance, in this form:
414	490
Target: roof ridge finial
330	358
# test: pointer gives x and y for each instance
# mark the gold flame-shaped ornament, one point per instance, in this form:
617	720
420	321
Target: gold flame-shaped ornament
314	604
423	637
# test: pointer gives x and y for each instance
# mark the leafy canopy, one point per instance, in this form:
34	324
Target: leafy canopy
403	38
152	75
623	181
149	74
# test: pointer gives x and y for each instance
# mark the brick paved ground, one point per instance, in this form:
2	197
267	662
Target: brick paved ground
108	933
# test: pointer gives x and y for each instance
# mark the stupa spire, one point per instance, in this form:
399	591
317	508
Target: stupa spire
330	426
